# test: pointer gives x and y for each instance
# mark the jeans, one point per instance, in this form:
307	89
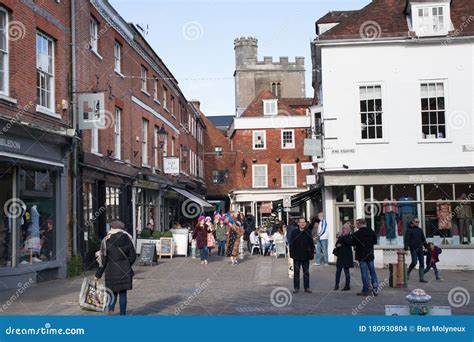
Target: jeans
346	273
322	244
296	269
203	252
122	302
417	255
435	269
367	267
390	225
221	247
267	247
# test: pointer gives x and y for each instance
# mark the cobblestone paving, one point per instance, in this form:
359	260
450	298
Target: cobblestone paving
257	286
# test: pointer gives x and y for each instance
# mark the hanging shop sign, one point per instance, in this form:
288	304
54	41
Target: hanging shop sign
307	166
313	147
92	112
266	208
171	165
310	179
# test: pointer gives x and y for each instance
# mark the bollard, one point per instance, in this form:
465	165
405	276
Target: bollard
401	270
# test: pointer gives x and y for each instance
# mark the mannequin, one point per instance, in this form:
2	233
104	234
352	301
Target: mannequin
33	243
465	216
406	211
390	209
443	212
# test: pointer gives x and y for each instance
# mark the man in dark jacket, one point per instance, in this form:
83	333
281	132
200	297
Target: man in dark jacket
249	226
414	240
364	240
302	251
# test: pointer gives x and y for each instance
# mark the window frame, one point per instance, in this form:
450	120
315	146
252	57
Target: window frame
268	102
374	112
94	34
421	111
118	133
6	55
283	185
144	79
118	57
416	19
145	126
276	89
293	144
254	166
51	75
164	98
264	140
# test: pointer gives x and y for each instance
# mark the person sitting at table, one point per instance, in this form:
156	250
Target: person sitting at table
279	236
265	240
253	237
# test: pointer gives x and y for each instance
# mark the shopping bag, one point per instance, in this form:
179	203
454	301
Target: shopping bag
93	296
211	241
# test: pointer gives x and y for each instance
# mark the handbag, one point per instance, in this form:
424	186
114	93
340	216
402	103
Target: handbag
335	251
211	242
94	297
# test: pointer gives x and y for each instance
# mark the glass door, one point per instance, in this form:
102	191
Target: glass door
345	213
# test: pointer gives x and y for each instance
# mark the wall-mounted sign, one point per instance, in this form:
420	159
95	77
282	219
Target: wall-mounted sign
310	179
287	202
307	166
266	208
171	165
92	111
343	151
313	147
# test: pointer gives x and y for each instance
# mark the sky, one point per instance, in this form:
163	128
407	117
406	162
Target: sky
195	38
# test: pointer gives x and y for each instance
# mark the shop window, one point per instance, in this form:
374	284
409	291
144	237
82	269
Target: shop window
112	203
37	221
436	192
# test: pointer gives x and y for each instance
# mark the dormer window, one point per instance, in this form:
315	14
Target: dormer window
270	107
431	20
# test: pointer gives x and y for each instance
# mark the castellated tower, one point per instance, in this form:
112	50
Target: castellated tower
283	78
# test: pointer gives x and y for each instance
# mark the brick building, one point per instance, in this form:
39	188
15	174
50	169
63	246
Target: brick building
35	139
149	125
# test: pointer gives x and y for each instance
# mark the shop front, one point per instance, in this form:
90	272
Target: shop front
443	202
106	194
33	207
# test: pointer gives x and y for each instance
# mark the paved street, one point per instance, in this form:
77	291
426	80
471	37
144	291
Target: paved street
183	286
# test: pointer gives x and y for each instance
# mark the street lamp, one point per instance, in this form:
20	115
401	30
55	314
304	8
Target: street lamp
162	136
243	166
184	151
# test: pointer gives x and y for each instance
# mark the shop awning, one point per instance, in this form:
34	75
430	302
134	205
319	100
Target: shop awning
300	198
204	204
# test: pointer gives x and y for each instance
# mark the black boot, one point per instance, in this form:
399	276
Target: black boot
421	272
336	287
409	271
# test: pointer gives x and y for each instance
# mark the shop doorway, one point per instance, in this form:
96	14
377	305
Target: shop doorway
345	213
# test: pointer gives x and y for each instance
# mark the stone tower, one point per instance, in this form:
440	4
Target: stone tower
283	78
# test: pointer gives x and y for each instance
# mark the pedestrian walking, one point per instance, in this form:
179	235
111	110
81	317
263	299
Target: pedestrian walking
233	232
364	240
320	237
200	235
414	240
116	257
220	234
211	240
302	251
432	257
345	258
289	230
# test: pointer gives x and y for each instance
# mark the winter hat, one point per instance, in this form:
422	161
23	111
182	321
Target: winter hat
208	218
201	218
117	225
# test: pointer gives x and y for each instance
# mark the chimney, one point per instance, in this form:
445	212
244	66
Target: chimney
196	104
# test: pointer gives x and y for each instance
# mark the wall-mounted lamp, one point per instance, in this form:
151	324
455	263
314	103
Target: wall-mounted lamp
243	167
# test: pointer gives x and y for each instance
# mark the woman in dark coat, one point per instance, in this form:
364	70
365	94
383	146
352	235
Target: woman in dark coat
233	232
200	235
116	257
345	259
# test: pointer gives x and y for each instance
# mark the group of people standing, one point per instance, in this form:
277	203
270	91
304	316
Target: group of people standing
224	231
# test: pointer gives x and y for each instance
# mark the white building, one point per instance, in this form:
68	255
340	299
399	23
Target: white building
395	84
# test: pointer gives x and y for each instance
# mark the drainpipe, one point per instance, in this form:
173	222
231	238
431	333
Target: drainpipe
74	118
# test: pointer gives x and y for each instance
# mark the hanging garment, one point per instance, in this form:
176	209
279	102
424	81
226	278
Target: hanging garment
33	241
443	211
407	211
